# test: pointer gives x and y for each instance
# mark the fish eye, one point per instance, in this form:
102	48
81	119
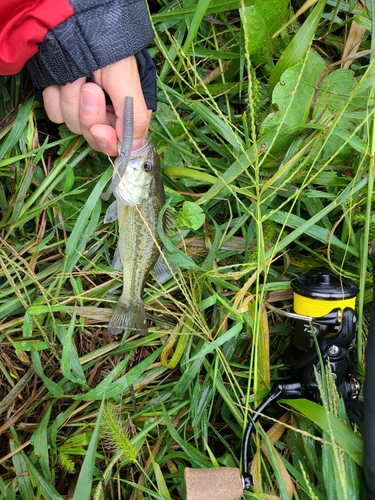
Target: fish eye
147	166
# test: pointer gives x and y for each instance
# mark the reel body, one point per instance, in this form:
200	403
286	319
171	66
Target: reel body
316	294
324	329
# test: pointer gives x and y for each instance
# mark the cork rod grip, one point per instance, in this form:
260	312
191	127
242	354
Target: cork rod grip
221	483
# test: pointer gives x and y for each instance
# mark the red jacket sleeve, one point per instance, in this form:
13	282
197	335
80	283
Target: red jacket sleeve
24	24
62	40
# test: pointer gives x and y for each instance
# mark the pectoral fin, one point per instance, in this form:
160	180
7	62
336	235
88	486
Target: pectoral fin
111	213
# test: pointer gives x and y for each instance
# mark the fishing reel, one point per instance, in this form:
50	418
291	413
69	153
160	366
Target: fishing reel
323	330
323	327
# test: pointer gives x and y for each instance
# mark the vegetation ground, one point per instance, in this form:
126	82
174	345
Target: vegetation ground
265	132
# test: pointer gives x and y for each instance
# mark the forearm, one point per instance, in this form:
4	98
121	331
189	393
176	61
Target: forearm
65	40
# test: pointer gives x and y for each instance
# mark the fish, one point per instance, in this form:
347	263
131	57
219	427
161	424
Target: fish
139	199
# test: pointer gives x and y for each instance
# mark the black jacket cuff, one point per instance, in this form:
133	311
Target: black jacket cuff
100	33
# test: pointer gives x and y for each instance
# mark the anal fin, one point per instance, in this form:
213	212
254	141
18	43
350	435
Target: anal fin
161	271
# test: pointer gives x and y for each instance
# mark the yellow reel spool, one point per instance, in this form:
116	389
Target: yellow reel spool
316	308
317	293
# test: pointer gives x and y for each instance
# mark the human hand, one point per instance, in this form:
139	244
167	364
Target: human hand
82	106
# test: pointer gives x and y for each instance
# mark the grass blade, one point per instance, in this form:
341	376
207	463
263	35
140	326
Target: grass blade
84	483
344	436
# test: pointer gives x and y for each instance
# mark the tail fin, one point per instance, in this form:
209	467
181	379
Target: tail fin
127	317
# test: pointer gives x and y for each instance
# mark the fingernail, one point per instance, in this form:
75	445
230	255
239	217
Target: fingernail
90	100
100	142
137	144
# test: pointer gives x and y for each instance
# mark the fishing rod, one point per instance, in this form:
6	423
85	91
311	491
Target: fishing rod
324	324
368	489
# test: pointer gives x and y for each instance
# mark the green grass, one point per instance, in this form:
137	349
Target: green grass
267	149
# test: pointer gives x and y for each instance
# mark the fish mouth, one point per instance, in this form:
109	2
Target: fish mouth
141	151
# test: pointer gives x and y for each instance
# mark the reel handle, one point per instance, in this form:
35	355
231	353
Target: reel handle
218	483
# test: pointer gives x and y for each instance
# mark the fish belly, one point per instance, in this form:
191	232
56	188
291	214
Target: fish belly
138	250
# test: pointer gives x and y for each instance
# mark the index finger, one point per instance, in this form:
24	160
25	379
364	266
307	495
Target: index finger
119	80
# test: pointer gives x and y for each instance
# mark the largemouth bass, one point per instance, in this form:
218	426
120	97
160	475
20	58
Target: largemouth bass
139	199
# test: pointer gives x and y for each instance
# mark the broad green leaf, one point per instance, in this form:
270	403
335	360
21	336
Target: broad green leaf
8	490
350	139
260	22
27	327
298	47
29	345
69	179
36	310
191	216
337	90
291	100
175	256
339	94
189	173
350	467
330	479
